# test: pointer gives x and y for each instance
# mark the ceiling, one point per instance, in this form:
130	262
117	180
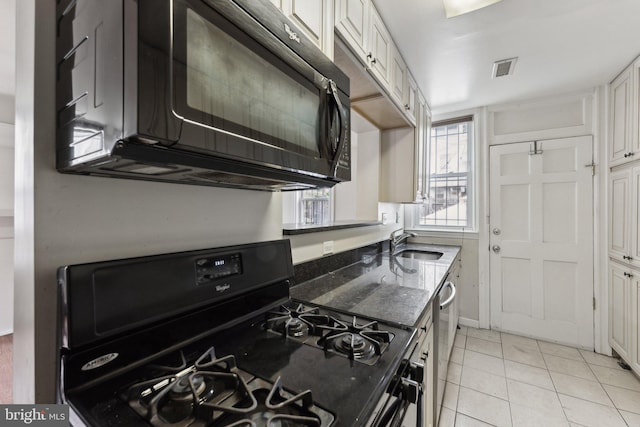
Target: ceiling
562	46
7	47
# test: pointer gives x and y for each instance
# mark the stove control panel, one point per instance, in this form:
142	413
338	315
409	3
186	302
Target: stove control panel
212	269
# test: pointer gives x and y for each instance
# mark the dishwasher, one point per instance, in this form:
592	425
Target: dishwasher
445	335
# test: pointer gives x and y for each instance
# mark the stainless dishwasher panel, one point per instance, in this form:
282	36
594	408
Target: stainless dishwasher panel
446	297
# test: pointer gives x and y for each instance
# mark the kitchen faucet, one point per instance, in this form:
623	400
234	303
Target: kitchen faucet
395	241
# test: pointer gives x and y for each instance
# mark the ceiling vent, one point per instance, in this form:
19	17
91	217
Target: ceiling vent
504	67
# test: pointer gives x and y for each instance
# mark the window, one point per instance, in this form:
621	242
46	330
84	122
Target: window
315	206
450	201
308	206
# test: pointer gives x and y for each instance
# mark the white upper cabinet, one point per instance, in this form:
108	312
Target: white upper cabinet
634	144
398	78
411	97
620	120
623	118
619	211
314	18
352	23
624	215
380	48
402	165
359	25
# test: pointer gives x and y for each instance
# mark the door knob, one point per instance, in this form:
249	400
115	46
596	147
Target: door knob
496	248
496	231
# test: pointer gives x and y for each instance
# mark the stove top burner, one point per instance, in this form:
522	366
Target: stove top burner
214	392
362	342
290	321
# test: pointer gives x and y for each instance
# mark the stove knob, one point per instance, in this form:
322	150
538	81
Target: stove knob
416	372
410	390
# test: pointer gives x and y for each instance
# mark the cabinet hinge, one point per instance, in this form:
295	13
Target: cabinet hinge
594	303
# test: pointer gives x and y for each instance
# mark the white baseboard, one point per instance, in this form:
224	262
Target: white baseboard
469	323
7	332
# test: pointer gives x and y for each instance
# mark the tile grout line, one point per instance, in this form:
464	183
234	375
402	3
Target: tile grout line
624	420
555	387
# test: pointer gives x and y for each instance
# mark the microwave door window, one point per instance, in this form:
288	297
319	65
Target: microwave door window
243	91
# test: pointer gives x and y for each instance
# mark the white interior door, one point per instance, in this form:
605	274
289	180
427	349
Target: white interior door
541	219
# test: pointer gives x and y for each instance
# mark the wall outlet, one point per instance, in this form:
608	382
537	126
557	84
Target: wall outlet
327	247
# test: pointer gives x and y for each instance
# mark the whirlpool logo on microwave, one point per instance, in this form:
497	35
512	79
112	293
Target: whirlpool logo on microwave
34	415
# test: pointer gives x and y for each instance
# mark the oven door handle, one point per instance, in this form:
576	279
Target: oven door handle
336	149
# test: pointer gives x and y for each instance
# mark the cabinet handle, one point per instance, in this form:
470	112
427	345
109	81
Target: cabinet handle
630	154
406	106
629	275
628	258
373	61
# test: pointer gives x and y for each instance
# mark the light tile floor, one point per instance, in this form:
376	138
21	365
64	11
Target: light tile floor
506	380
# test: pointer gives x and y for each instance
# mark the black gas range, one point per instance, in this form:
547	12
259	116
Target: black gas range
211	338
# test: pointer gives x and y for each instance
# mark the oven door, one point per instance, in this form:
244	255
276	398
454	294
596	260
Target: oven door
403	405
238	91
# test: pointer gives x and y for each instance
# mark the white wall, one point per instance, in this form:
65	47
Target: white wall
6	226
7	117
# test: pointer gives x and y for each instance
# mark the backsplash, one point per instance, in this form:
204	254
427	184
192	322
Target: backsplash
317	267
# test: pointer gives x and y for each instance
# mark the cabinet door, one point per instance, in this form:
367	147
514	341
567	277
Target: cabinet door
619	309
411	101
455	307
314	18
352	24
635	324
429	397
421	134
397	166
634	144
379	49
620	98
619	210
398	77
634	218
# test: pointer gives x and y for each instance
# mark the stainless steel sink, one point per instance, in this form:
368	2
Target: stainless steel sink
421	255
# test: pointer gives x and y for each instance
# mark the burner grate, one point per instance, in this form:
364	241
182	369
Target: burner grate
289	321
361	342
214	392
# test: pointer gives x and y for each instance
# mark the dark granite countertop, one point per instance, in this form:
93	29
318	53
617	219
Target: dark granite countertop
293	229
385	287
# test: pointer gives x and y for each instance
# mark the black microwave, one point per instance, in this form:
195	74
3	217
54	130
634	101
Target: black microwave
205	92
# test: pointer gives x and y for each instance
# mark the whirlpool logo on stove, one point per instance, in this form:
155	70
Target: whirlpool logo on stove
99	361
223	288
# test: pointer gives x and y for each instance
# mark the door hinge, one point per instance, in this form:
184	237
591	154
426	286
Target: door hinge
591	165
594	303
